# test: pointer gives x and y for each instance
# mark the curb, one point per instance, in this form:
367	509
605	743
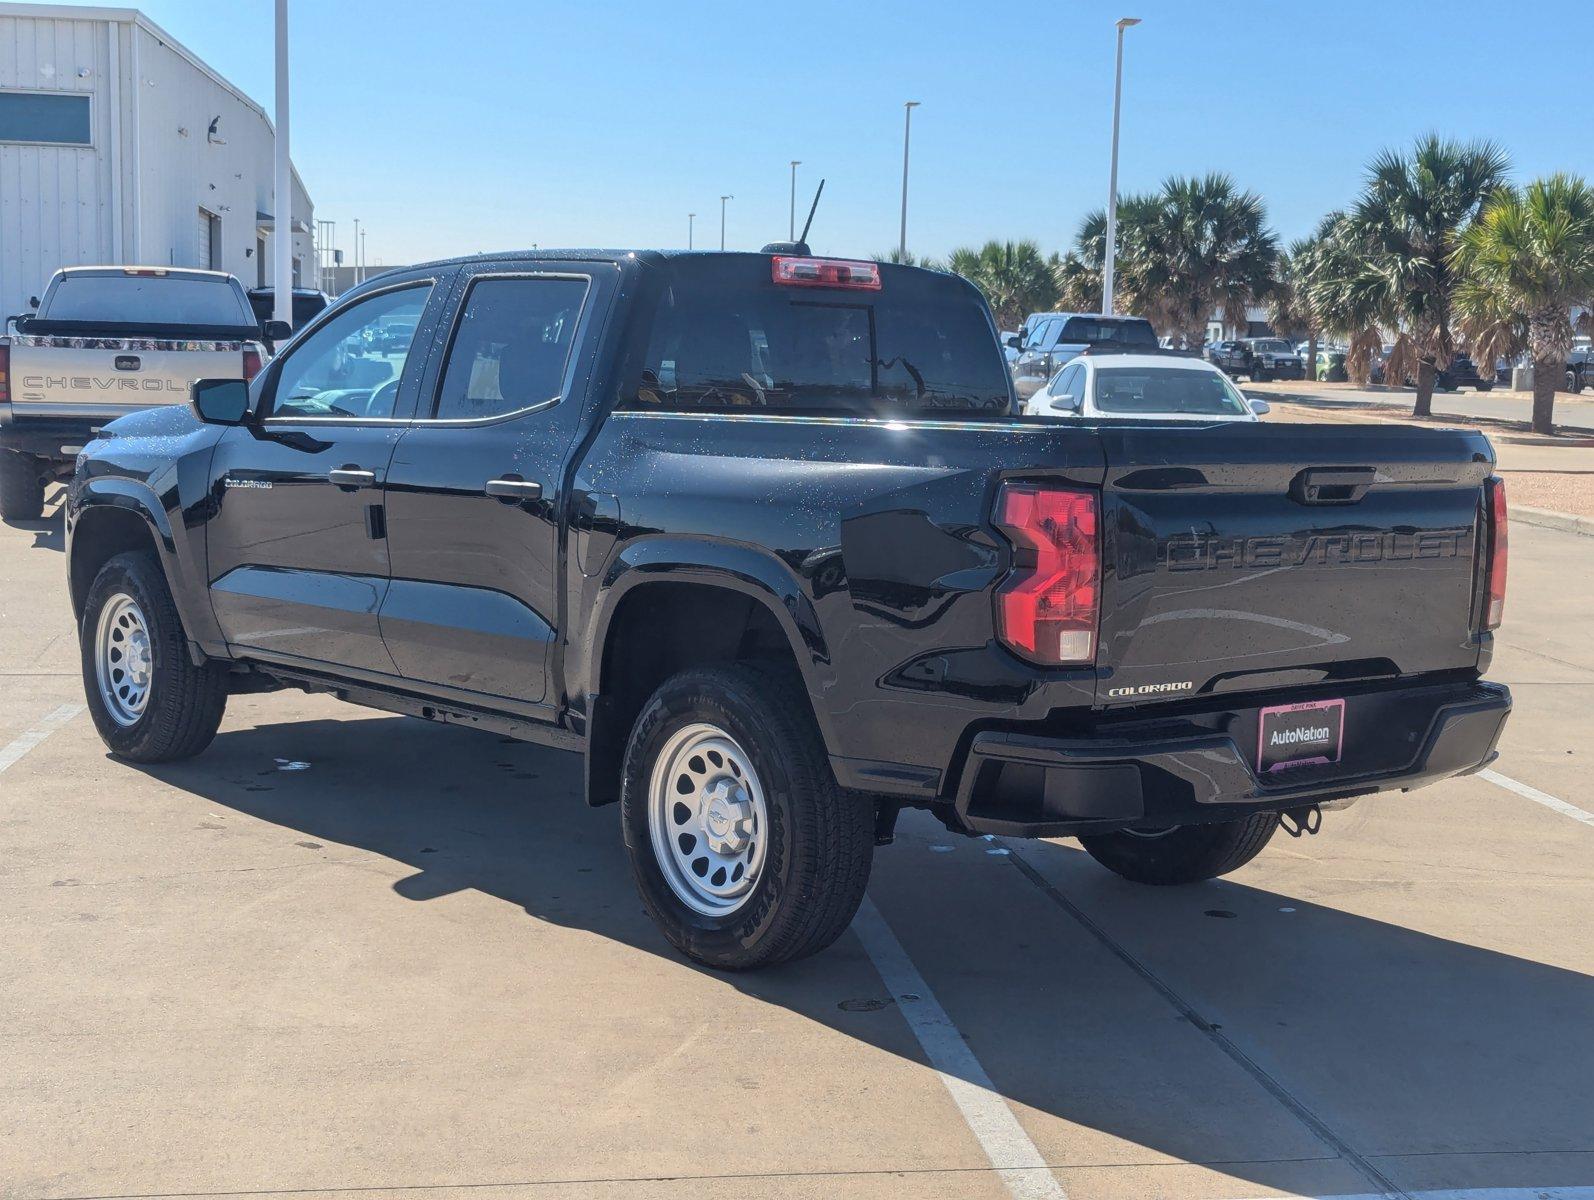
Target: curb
1548	519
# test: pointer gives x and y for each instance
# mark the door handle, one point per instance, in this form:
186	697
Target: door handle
512	487
352	477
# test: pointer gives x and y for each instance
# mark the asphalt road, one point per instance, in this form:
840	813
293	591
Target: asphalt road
350	954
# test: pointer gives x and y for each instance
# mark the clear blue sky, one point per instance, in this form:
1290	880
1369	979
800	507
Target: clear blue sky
489	124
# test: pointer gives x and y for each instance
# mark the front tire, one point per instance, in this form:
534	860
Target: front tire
149	701
21	487
1185	853
745	850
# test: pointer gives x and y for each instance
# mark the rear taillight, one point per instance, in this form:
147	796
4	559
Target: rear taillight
5	374
251	363
1047	609
1494	606
825	272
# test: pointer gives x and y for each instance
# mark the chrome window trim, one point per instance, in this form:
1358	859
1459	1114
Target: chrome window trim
453	334
429	283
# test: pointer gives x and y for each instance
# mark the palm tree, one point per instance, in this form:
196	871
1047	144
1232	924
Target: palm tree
1530	254
1410	217
1016	279
1343	308
1193	247
1289	301
906	258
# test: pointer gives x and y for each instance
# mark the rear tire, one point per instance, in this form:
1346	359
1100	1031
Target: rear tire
21	487
805	843
1184	854
149	701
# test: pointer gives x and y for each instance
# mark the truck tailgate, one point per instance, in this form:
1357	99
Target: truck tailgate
1252	556
88	376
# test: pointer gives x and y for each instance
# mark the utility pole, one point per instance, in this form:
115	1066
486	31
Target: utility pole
1112	181
691	219
907	130
791	233
282	220
354	268
723	199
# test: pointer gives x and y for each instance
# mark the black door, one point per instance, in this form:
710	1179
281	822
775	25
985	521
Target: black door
298	558
476	484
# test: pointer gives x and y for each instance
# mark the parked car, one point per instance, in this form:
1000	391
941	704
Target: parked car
1331	366
1460	372
106	341
761	537
308	303
1058	337
1272	358
1169	387
1231	356
1579	369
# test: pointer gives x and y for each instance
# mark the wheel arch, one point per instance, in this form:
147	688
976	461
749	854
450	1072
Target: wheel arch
675	604
112	516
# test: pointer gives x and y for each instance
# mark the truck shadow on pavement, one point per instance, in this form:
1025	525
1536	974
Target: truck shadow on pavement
1401	1042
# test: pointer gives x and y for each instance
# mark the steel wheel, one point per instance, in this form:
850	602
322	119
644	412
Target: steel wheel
123	665
707	819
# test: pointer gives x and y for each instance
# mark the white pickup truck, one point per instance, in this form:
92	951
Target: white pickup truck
107	341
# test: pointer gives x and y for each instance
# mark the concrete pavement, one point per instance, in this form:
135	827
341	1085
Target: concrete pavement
347	953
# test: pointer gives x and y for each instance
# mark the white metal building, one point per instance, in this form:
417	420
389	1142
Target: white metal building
118	145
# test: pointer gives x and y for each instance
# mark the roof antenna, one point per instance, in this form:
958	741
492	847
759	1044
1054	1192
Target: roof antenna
800	246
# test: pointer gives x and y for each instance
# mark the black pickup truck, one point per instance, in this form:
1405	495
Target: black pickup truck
760	537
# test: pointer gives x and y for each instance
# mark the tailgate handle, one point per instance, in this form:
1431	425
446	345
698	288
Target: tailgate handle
127	362
1331	485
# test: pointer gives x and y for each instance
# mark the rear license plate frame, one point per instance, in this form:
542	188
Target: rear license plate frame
1275	753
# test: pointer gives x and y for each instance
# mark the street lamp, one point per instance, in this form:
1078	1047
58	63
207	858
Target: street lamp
355	269
791	232
282	184
691	218
723	199
1112	179
907	129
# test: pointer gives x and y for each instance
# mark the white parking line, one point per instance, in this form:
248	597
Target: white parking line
1538	797
14	750
1017	1162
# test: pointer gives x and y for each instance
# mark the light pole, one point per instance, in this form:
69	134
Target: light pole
355	270
791	231
362	253
1112	178
282	224
691	219
723	199
907	129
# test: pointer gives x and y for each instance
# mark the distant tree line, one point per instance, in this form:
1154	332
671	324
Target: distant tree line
1439	252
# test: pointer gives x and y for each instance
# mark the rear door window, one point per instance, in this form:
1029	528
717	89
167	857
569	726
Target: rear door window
724	336
512	346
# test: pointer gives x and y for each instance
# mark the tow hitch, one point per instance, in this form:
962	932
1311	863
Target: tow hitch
1306	819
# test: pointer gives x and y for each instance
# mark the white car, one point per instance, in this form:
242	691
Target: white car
1163	387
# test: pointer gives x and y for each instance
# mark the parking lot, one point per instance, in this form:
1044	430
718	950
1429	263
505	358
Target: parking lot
347	953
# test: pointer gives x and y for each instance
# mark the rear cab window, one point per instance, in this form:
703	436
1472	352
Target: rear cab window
1109	331
718	334
148	299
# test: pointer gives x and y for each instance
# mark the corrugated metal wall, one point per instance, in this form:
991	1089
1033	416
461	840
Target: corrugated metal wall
153	158
56	202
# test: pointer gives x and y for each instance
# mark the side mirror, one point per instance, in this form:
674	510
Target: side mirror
1260	407
1014	342
276	331
33	302
1066	400
219	401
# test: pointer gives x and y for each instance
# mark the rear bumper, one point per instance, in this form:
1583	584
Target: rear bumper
55	438
1194	770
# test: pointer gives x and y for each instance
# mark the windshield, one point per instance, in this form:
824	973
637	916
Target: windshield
723	335
1167	390
1106	330
145	300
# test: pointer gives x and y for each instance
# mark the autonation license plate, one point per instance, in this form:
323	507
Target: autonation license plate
1297	735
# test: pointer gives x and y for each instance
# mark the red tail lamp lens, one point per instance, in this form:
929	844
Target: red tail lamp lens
1498	518
1048	608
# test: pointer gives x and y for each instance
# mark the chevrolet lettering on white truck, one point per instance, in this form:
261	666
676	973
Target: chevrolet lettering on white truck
107	341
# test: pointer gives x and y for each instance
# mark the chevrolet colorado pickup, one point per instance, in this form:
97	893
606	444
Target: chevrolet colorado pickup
760	536
107	341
